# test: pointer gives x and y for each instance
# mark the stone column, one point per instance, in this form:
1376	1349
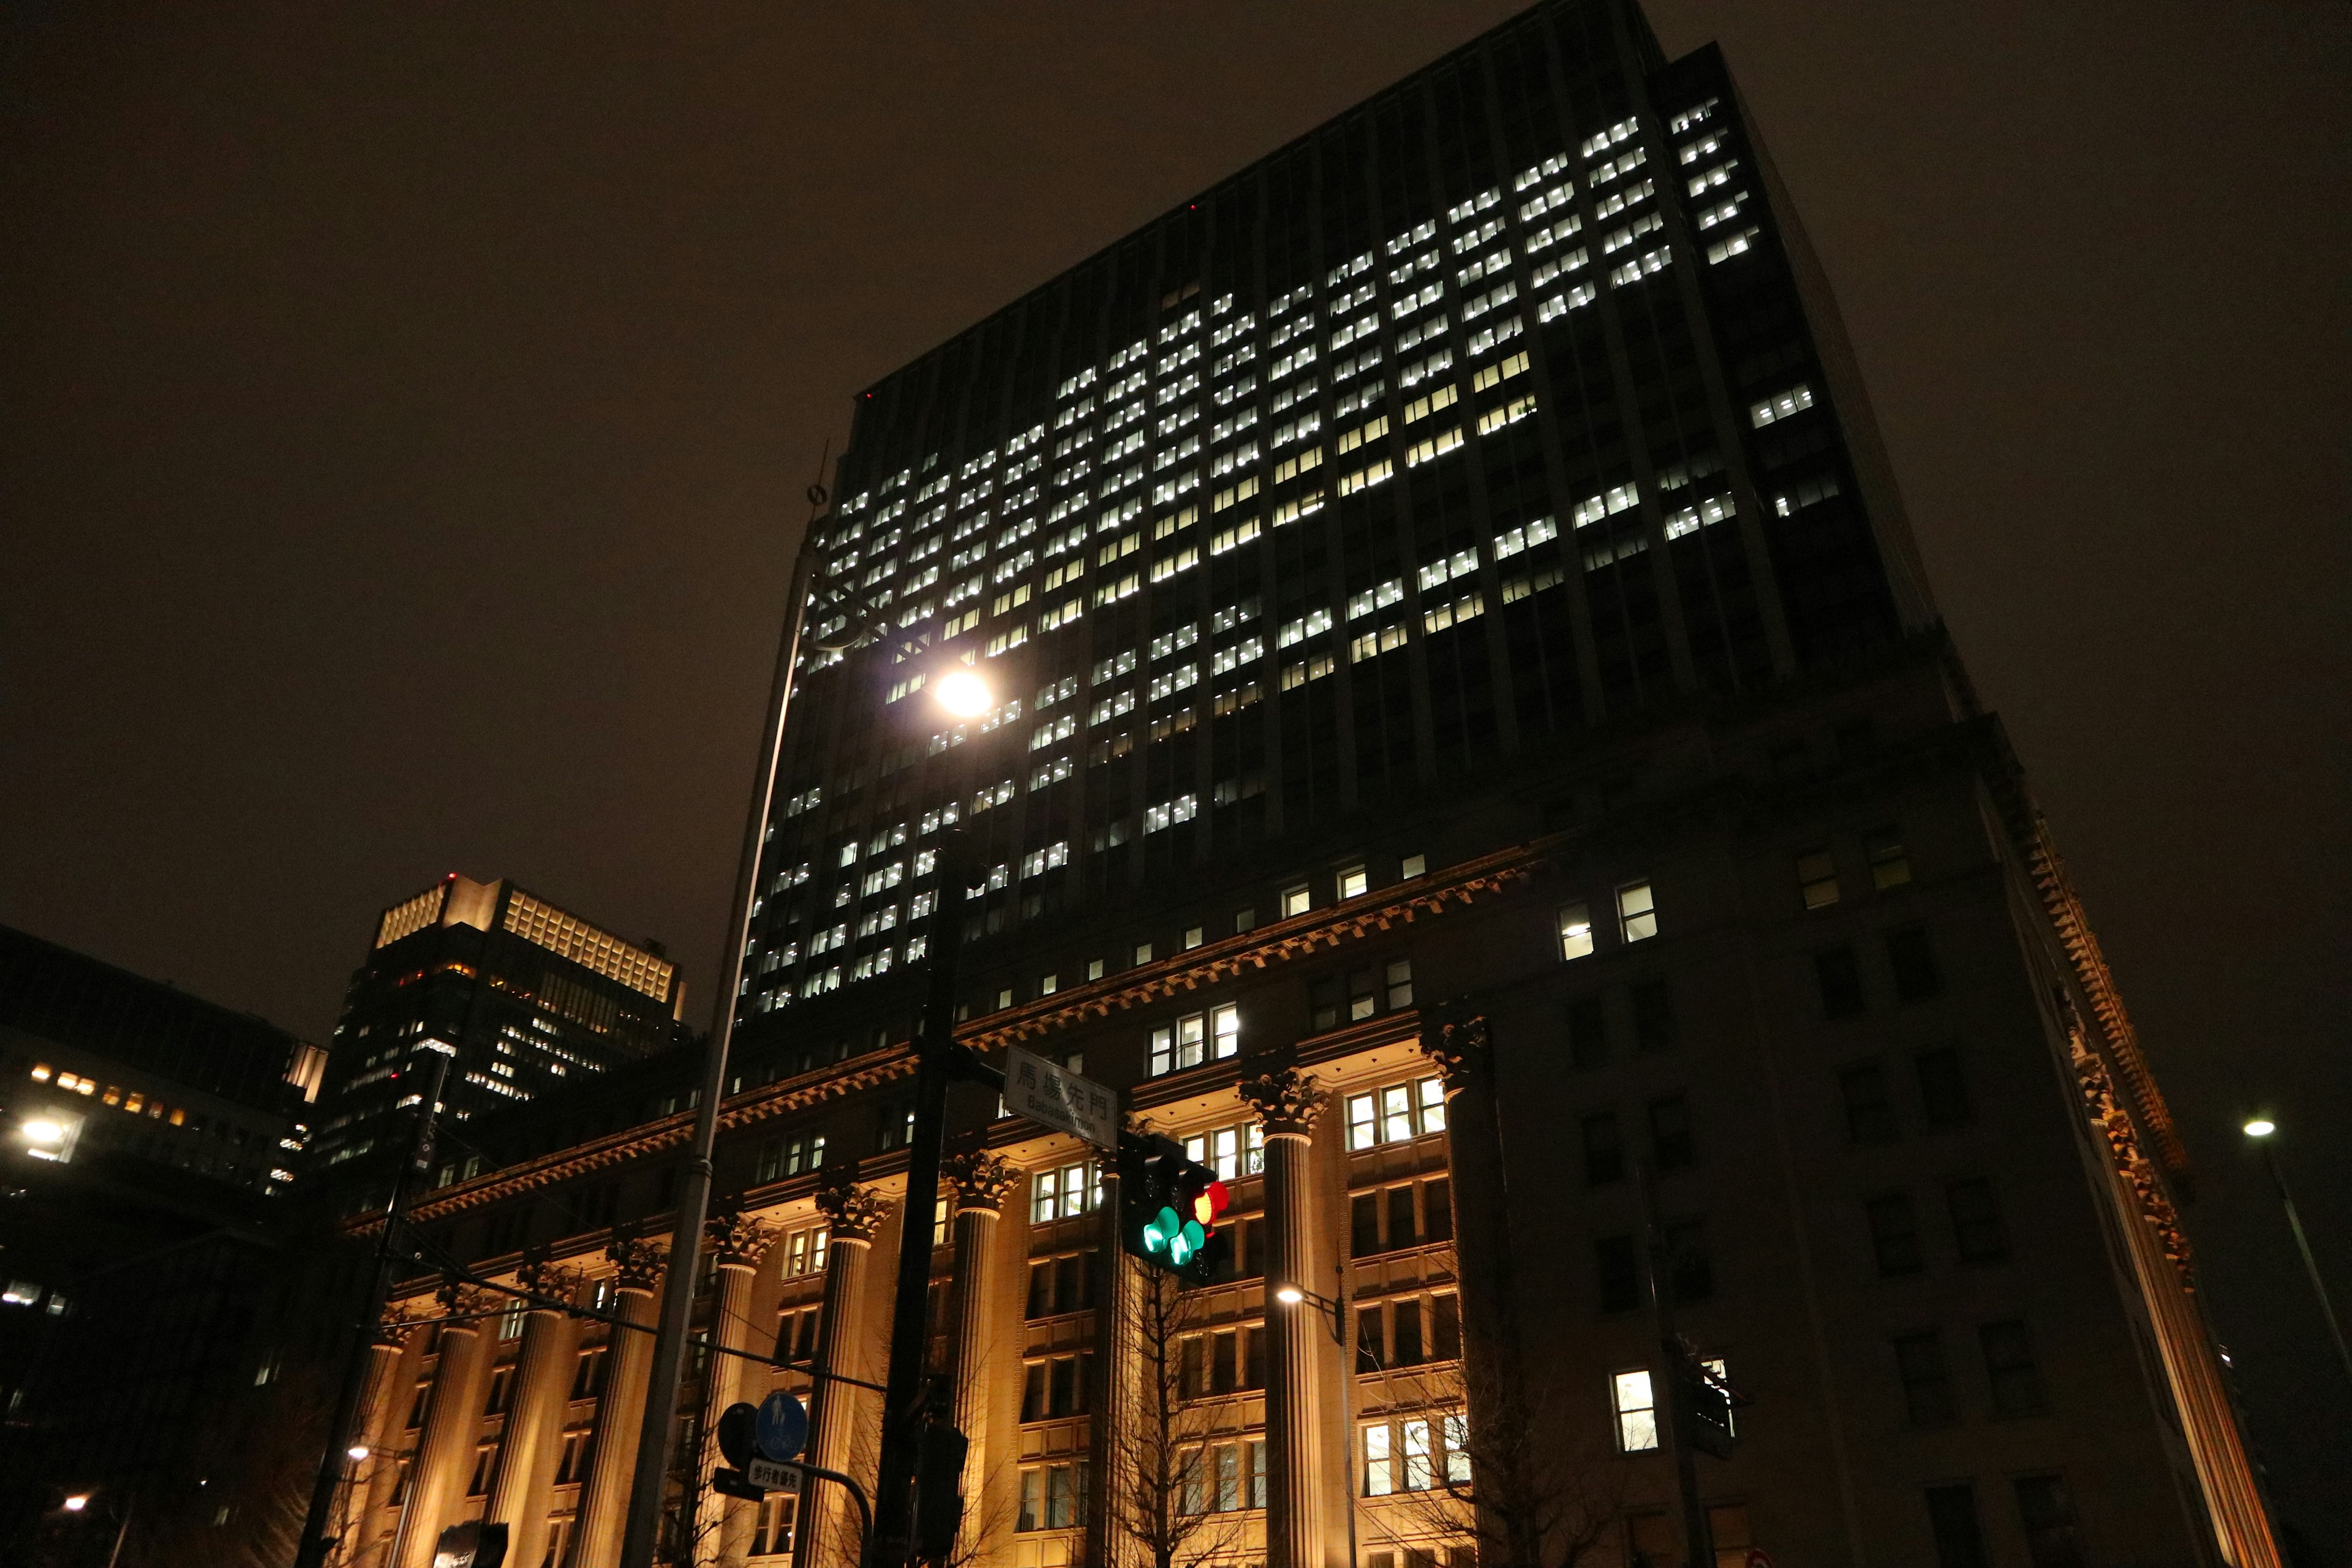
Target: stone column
723	1524
1492	1385
980	1181
525	1476
1288	1104
358	1531
826	1534
453	1420
628	1363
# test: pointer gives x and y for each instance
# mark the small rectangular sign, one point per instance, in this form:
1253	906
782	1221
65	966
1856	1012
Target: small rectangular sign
772	1476
1044	1091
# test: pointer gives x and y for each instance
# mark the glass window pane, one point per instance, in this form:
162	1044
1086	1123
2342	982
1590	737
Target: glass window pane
1361	1134
1575	930
1396	1114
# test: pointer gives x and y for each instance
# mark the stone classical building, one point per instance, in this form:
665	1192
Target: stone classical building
1474	757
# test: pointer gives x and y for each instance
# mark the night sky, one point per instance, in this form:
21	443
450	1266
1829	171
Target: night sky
404	411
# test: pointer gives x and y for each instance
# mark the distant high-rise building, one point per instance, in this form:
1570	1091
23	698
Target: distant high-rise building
1472	757
522	996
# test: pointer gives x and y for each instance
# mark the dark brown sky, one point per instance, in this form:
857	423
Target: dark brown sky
404	410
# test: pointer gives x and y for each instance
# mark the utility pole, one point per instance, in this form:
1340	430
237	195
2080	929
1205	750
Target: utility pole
1666	1377
902	1401
311	1553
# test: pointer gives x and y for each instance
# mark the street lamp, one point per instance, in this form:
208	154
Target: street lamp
1291	1295
964	694
2261	1129
358	1452
77	1502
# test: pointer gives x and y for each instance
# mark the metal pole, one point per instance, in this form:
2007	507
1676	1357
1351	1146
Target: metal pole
2310	1264
893	1538
655	1434
336	1461
119	1531
1665	1380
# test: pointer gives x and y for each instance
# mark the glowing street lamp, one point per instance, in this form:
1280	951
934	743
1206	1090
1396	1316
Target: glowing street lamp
357	1451
2261	1129
77	1502
964	694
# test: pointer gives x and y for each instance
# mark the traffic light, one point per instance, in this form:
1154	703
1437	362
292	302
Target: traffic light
938	1490
1172	1210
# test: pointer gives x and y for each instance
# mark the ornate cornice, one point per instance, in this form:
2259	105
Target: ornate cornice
1459	1046
639	1261
2115	1126
854	1213
981	1180
2122	1041
1232	957
737	1240
1288	1102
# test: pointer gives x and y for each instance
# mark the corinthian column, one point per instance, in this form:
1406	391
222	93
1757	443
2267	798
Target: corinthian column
358	1535
525	1476
854	1213
453	1420
980	1182
736	1242
1287	1105
628	1361
1492	1386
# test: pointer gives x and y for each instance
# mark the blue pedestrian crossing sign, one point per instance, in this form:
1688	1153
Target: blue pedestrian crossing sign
782	1426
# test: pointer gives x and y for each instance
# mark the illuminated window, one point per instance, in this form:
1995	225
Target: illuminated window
1196	1038
1576	931
1637	912
1396	1114
1637	1412
1353	883
1296	901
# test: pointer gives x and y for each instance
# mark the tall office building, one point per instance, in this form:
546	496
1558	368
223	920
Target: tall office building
1473	756
522	997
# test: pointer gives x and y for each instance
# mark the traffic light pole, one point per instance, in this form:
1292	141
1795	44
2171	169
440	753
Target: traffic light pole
311	1551
1666	1379
891	1543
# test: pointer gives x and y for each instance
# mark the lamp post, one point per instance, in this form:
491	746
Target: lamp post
1291	1295
964	694
2261	1130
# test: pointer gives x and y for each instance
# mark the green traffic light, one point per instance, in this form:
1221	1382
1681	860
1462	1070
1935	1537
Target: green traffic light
1164	1234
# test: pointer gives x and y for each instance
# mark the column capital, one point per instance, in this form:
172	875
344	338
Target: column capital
981	1180
639	1260
400	1320
1288	1101
467	1303
736	1239
855	1213
1458	1044
543	1278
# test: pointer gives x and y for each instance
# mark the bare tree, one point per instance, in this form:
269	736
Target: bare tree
1503	1477
1161	1484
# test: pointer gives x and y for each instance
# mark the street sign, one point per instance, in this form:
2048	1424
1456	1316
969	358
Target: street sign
730	1483
782	1426
1047	1092
737	1424
770	1476
472	1544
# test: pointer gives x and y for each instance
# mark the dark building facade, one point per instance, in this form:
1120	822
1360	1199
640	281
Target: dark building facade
149	1138
1473	758
522	996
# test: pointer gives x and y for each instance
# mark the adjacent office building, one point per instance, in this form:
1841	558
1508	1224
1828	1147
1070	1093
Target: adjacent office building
147	1138
520	995
1475	758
